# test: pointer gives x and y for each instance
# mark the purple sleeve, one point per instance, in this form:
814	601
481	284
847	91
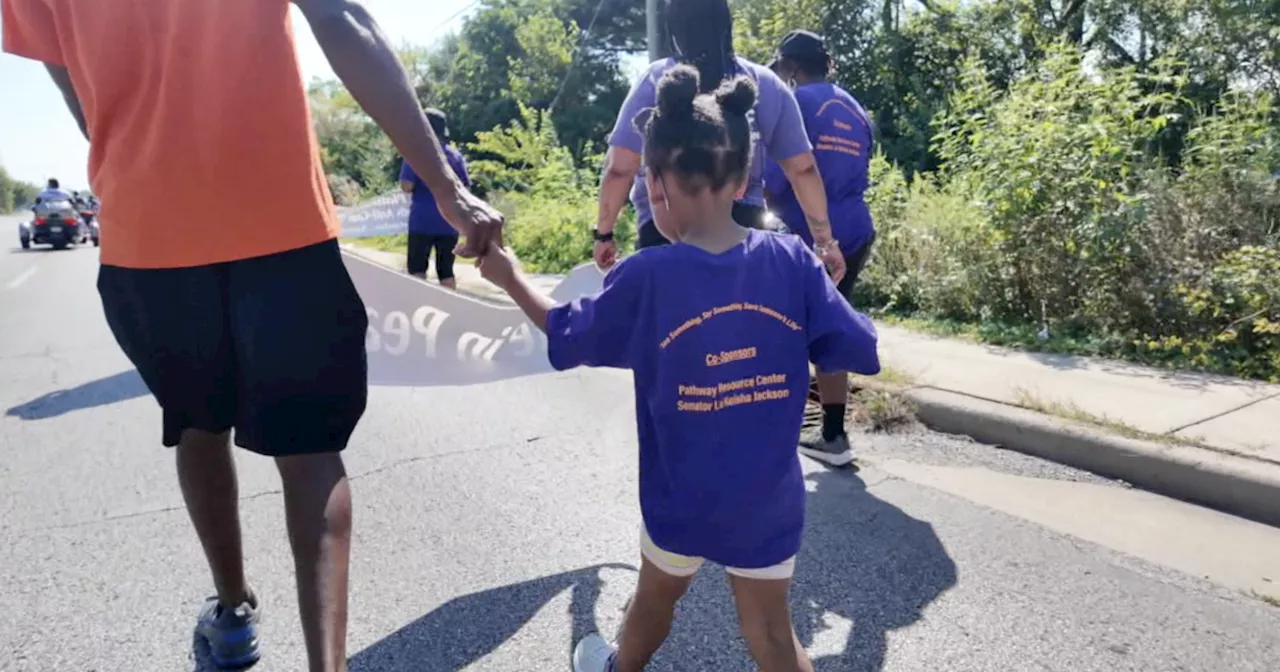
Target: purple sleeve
406	173
778	115
460	169
643	96
597	330
840	338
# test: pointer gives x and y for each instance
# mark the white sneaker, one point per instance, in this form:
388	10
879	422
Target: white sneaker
592	654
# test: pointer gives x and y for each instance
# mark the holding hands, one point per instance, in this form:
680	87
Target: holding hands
480	222
499	266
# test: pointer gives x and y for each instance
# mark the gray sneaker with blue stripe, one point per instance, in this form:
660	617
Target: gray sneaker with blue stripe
232	634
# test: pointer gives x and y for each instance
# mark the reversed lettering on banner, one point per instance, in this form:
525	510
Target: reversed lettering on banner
423	335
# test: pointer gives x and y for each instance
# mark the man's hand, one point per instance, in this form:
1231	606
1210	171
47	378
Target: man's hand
605	254
478	221
831	256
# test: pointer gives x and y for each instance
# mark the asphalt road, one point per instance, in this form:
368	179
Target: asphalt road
496	524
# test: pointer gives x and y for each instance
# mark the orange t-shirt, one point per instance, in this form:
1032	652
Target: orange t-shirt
201	146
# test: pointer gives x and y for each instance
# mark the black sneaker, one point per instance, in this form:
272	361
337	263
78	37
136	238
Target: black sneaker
837	452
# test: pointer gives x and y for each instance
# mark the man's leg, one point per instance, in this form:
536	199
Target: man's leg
207	475
299	328
173	326
317	506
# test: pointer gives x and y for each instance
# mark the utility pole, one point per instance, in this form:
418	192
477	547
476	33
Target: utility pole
654	30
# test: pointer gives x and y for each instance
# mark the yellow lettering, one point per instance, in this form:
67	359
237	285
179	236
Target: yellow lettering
770	395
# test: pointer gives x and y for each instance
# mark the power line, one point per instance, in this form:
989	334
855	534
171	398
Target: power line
453	16
573	59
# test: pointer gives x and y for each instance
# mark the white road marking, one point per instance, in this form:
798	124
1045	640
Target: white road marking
22	277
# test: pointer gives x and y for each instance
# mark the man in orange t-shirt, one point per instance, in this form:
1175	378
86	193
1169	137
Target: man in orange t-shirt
221	276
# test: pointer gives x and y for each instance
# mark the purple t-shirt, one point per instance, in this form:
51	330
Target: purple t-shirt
424	214
842	136
777	127
720	345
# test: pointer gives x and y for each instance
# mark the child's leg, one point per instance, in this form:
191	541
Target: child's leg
765	619
648	619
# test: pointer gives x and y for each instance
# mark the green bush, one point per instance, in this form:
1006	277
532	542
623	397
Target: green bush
1056	225
548	200
933	249
1233	320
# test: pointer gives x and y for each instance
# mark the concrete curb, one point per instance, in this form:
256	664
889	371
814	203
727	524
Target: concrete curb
1236	485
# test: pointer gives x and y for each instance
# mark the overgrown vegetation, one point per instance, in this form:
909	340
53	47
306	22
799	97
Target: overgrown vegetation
15	193
1083	176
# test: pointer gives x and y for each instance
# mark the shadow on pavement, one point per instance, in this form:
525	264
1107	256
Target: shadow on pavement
865	567
465	629
123	386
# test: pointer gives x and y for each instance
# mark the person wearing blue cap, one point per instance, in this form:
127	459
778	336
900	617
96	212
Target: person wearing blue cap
841	133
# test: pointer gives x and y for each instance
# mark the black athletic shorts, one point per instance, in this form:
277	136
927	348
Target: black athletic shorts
749	216
420	246
854	263
272	346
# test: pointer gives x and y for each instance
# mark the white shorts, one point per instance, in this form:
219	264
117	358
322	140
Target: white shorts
675	564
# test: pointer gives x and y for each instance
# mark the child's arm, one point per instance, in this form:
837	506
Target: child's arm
594	330
535	304
840	338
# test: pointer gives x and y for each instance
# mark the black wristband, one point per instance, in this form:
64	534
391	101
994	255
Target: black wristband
602	237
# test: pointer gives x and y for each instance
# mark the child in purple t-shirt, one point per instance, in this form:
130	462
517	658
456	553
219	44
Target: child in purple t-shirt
719	329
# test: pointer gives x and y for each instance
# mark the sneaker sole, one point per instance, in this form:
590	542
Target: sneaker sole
241	663
833	459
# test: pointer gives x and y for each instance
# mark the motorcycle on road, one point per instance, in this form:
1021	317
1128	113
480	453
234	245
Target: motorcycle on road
57	223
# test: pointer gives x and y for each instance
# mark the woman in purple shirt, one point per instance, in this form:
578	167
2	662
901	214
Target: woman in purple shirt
428	229
718	329
842	137
702	31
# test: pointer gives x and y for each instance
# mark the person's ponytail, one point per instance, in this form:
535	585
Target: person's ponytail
703	31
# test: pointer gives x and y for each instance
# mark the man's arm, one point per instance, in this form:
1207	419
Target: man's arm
367	65
363	59
63	79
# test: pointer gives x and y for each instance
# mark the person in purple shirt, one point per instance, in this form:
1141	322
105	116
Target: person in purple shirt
718	329
842	137
428	229
702	31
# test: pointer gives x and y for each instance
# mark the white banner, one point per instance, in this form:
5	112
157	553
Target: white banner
424	335
381	216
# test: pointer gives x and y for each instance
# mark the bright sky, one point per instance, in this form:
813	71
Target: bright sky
39	140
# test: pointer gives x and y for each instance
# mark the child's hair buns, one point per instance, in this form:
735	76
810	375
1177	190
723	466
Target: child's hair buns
737	96
676	92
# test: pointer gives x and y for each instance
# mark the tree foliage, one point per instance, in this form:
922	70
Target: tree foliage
15	193
1096	175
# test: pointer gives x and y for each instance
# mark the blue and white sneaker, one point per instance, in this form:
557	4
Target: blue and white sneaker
232	634
593	654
